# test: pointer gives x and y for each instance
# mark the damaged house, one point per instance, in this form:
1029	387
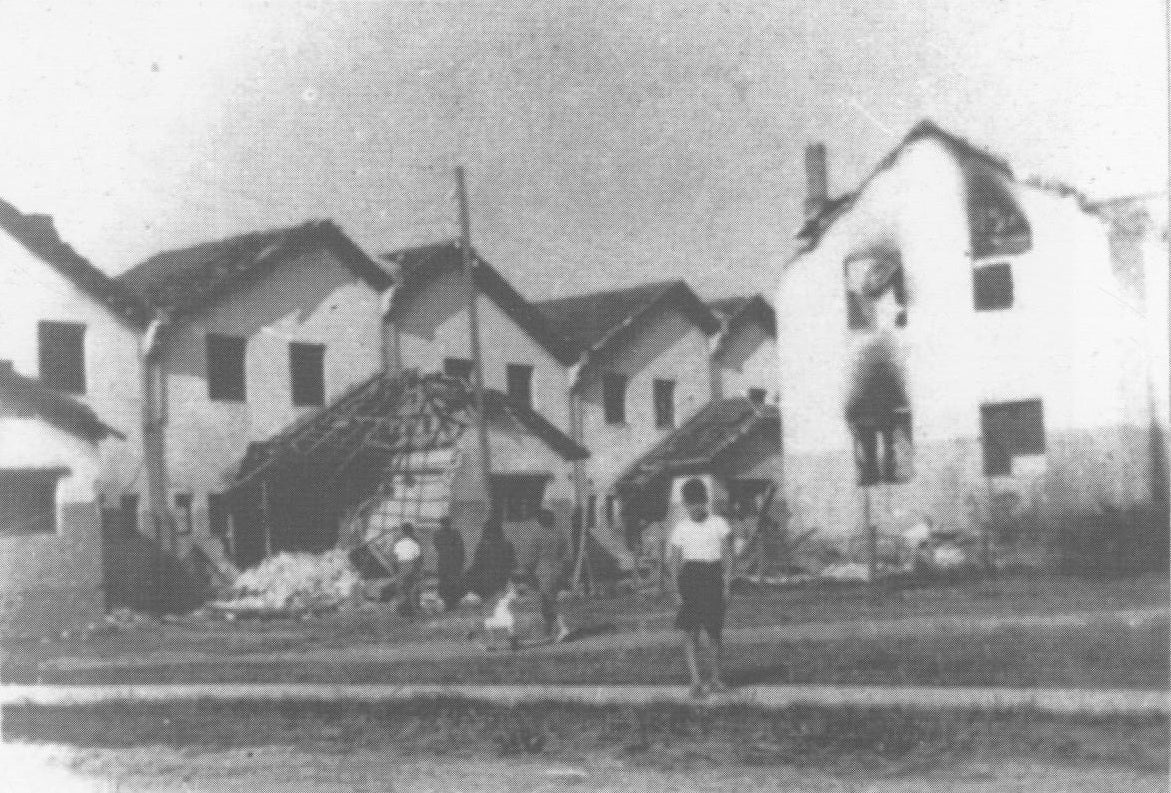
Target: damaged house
250	334
398	448
958	343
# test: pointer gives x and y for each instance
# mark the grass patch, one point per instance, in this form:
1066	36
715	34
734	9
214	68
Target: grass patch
655	734
1106	654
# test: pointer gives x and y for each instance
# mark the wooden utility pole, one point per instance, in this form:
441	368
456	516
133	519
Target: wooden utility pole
465	227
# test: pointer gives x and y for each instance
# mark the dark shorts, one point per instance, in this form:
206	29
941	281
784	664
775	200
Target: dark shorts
701	588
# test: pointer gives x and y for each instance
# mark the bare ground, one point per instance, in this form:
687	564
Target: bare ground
280	769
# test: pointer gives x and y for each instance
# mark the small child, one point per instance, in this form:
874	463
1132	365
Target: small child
502	620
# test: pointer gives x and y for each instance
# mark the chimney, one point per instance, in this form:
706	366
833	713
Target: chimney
816	178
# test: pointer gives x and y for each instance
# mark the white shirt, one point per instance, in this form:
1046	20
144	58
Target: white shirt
407	550
701	541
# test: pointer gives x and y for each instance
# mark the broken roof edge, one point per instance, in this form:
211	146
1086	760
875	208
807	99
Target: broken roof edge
753	304
814	226
39	236
569	449
488	279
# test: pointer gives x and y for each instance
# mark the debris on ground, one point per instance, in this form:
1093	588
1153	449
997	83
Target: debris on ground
294	582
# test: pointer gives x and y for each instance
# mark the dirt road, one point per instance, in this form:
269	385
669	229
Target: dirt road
277	770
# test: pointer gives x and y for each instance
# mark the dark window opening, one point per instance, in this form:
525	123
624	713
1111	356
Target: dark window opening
992	284
1011	429
62	356
183	518
129	506
746	497
664	398
757	395
883	451
307	373
876	293
28	501
520	383
519	497
459	368
998	227
225	367
614	397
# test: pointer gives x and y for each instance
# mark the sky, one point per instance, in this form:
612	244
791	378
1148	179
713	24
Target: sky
606	142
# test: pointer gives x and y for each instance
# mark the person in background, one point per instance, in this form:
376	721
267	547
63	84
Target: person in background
548	563
493	562
449	554
408	560
700	554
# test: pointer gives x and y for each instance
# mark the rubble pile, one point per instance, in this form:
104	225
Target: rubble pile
294	582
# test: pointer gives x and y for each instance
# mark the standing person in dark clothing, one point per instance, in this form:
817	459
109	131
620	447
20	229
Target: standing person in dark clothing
493	562
449	553
700	554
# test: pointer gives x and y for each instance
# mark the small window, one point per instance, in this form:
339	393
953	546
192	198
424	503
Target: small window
520	383
225	367
664	393
591	512
459	368
883	451
183	519
307	373
1011	429
614	397
62	356
992	285
28	501
757	395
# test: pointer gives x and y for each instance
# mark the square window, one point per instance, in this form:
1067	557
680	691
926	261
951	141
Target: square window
992	285
225	367
307	373
614	397
459	368
664	397
1011	429
28	501
757	395
61	347
519	497
520	383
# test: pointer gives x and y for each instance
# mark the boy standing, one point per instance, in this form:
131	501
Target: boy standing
700	558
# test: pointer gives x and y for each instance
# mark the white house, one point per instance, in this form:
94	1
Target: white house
257	331
960	342
66	323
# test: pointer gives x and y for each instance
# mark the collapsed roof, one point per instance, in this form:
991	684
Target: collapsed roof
703	440
183	281
383	418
